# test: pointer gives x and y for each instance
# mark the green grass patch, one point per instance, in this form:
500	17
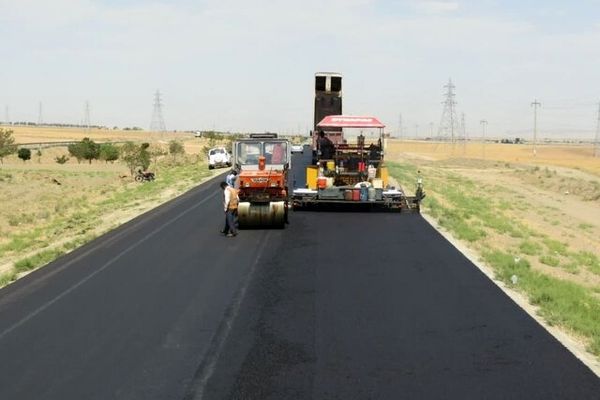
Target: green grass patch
530	248
560	302
7	277
38	260
550	260
587	259
556	247
585	226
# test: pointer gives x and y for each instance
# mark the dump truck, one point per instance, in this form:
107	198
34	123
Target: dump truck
262	161
346	168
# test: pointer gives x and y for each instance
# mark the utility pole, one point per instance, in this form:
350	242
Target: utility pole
483	123
158	122
535	106
416	131
400	126
40	115
6	116
431	130
463	132
86	118
597	138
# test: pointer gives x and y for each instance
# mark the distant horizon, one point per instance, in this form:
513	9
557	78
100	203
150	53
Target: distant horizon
474	137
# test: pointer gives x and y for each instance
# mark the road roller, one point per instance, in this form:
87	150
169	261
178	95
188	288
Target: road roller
262	161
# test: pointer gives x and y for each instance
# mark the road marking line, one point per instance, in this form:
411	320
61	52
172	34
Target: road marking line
102	268
207	367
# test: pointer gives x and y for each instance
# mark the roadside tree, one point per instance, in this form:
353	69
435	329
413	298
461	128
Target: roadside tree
157	151
7	144
108	152
144	156
176	148
76	150
135	156
90	149
24	154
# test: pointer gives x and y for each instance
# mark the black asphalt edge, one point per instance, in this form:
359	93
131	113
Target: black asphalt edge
133	224
572	345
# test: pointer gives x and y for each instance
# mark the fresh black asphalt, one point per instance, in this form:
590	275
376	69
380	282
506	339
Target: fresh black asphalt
339	305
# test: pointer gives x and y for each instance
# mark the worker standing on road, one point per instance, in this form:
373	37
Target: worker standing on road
231	177
230	206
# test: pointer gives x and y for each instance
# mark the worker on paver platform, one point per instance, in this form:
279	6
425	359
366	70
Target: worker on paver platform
325	146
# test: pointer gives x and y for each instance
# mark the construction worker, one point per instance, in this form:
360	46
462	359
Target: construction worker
325	146
231	177
230	205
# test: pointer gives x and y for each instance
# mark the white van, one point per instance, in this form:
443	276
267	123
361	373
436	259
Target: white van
218	157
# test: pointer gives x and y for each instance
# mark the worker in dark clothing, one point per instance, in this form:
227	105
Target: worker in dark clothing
325	146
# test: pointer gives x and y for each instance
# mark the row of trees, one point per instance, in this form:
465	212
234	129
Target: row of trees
132	154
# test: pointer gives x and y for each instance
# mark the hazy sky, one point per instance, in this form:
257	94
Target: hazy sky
248	65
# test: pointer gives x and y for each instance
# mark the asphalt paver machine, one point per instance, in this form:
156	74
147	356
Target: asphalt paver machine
348	158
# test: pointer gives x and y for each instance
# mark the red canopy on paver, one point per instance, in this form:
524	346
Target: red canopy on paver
350	121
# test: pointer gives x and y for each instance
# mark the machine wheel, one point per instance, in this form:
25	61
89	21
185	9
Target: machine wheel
267	215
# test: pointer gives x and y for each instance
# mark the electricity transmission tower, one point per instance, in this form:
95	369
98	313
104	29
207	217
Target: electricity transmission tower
86	118
6	116
158	122
597	138
535	106
483	123
40	115
448	122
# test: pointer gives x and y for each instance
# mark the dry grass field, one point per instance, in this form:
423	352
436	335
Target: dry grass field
578	157
33	134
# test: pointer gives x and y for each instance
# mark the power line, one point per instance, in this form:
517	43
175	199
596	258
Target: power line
535	106
158	122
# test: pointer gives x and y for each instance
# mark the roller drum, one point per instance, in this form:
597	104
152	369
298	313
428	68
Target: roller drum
257	215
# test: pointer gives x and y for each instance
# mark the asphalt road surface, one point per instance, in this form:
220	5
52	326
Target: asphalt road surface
336	306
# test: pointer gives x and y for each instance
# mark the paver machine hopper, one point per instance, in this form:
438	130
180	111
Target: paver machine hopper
262	162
